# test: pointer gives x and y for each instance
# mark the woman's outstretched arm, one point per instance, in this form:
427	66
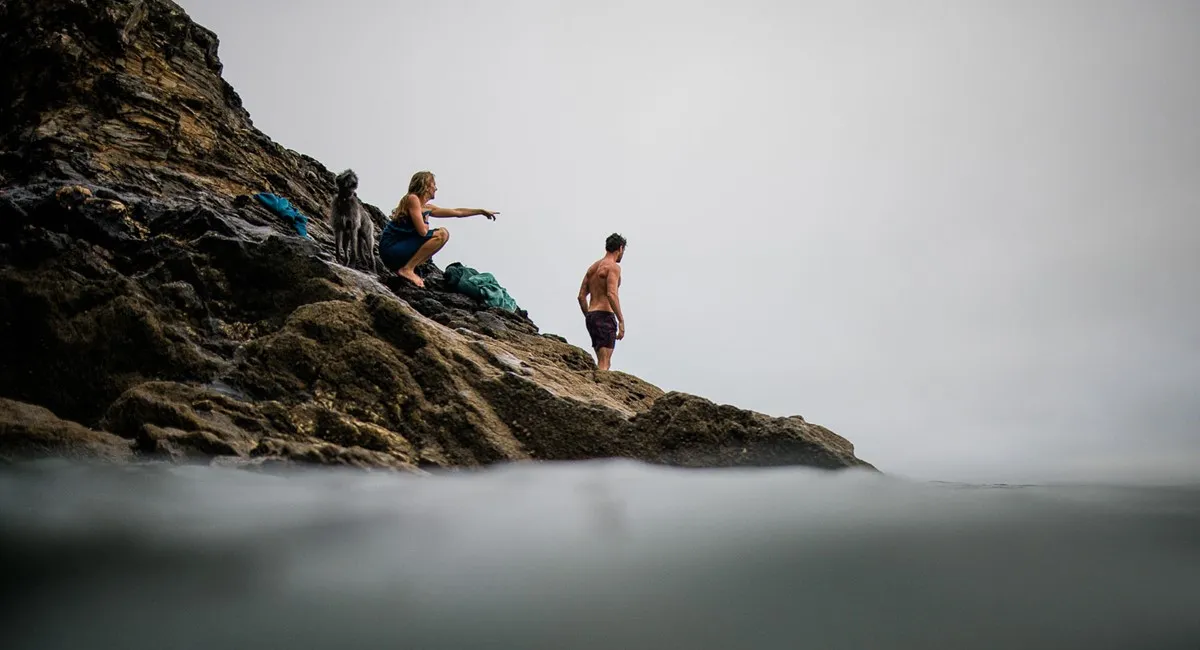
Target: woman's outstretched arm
458	213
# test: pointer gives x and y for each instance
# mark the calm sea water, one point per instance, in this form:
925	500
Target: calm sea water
589	555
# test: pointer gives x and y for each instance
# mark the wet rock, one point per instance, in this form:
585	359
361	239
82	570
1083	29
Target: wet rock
30	432
327	454
80	333
181	420
694	432
180	446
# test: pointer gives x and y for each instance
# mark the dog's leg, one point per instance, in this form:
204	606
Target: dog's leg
366	245
375	262
358	246
352	244
338	235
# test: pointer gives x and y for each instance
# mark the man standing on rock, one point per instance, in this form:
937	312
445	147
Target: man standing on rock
605	322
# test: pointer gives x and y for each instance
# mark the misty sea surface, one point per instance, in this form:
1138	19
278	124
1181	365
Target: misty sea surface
609	554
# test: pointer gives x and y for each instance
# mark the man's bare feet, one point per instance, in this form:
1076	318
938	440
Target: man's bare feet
411	277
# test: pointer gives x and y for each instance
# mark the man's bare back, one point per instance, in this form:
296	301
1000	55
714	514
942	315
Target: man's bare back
597	280
600	302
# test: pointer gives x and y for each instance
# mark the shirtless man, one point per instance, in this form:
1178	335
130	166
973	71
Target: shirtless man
605	322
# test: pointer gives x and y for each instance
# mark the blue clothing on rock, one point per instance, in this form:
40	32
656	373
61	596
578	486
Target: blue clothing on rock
400	241
285	209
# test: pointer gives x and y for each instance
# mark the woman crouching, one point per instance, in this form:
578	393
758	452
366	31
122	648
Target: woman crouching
408	241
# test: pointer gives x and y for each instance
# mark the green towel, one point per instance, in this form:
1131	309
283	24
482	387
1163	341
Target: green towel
480	286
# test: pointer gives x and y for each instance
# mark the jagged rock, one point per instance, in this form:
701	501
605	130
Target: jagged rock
178	420
289	453
694	432
29	432
143	293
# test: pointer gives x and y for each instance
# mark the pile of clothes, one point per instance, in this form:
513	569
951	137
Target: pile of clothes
480	286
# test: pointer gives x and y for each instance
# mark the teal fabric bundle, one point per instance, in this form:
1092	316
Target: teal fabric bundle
285	209
480	286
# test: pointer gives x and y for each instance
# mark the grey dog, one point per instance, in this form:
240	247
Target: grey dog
353	229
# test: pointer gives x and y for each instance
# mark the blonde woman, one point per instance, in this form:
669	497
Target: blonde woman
407	241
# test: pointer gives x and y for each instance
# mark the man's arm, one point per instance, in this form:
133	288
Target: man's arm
614	284
583	292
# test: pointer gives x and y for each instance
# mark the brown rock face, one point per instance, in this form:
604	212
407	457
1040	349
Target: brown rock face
28	432
143	293
130	91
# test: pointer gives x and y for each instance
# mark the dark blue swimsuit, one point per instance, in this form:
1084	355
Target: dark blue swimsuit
399	241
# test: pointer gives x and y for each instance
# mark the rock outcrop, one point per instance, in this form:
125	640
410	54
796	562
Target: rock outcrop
148	301
29	432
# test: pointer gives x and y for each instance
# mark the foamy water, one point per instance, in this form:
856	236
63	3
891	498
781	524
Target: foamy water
589	555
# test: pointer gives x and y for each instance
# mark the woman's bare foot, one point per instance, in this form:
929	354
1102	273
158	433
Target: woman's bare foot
411	277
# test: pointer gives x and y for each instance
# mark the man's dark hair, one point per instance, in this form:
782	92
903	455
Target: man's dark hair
614	243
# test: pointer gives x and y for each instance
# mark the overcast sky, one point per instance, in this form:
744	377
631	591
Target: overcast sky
964	235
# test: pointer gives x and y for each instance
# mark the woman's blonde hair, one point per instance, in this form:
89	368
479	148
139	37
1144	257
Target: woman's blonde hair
420	183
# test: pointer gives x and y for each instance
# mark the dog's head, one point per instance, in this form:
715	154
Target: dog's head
347	181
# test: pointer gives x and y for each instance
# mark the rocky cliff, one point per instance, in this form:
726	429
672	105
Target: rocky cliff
150	309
